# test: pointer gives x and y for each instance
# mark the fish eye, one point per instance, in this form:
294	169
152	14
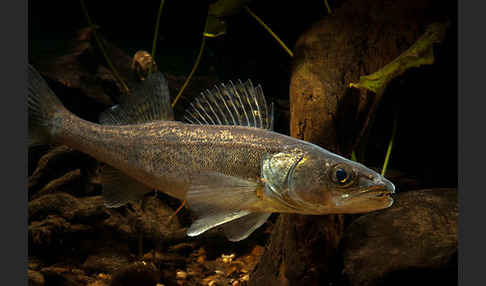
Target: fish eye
342	175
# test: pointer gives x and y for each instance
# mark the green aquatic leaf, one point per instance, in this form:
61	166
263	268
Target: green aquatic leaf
224	8
215	27
420	53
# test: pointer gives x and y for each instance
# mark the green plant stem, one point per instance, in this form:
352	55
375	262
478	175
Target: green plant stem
328	7
98	41
390	146
353	156
156	33
270	31
196	64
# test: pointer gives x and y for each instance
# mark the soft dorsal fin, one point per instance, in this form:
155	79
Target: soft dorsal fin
232	104
150	101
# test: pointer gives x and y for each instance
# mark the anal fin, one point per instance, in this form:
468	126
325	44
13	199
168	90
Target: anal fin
119	188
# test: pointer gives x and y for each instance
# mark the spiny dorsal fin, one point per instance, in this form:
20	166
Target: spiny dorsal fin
119	188
241	104
148	102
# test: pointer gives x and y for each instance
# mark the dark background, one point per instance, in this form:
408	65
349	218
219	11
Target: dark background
425	146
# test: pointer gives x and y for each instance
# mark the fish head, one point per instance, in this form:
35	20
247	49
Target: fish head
316	181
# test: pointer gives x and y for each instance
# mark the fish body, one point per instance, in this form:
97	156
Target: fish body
230	175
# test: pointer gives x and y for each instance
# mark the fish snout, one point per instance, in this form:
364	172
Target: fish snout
386	185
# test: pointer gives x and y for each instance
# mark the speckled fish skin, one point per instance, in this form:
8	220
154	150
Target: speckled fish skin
163	154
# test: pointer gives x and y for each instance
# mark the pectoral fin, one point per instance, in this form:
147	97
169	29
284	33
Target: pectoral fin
118	188
218	199
213	218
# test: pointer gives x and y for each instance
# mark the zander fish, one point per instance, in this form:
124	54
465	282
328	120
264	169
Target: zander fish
225	160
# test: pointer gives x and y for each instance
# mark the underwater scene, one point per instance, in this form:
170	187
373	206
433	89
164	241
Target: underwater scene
239	142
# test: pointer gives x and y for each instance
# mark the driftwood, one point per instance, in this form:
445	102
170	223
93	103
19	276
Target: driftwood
358	39
412	243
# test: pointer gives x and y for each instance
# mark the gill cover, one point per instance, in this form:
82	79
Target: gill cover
277	171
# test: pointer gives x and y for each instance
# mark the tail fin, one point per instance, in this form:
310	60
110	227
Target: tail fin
43	104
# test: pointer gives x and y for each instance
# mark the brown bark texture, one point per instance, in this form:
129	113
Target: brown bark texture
412	243
358	39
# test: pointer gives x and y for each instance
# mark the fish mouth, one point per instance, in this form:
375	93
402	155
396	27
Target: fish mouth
377	191
375	197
